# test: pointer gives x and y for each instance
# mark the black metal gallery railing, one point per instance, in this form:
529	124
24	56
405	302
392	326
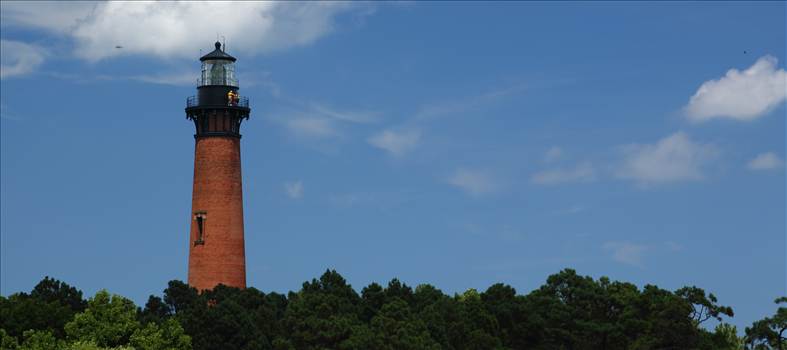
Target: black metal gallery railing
242	101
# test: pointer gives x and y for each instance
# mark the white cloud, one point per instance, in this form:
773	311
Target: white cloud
553	154
766	161
740	95
583	172
59	17
673	158
179	29
18	58
294	189
473	182
396	143
626	252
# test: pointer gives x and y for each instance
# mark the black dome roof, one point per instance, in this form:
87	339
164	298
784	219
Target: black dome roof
217	54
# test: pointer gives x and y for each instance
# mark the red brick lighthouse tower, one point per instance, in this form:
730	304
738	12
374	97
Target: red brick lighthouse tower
216	246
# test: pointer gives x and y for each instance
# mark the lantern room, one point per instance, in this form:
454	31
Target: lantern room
217	109
218	68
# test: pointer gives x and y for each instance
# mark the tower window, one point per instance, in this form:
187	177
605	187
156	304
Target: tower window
200	217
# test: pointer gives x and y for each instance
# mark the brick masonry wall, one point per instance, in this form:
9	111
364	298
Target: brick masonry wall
218	192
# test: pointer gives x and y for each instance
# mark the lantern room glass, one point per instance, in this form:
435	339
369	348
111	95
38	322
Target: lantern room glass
218	72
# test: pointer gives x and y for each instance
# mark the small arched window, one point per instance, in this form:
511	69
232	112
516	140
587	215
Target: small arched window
200	217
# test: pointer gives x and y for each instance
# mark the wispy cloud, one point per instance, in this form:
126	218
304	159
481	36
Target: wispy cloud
294	189
626	252
673	158
766	161
397	143
176	79
575	209
314	121
474	182
350	199
583	172
400	140
5	114
464	104
178	29
358	117
266	81
552	154
673	246
18	58
513	265
312	127
509	233
376	200
505	232
738	95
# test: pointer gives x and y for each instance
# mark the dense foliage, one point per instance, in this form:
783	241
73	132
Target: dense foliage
768	333
568	312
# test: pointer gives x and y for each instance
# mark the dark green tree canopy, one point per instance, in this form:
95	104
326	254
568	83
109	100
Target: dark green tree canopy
769	332
569	311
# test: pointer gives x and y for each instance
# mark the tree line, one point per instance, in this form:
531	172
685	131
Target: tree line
568	311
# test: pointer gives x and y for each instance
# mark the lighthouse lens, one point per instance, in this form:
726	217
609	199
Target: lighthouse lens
218	72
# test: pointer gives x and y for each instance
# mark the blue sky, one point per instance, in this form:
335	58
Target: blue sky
457	144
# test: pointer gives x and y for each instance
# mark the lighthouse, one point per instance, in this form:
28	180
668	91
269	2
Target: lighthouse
216	243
